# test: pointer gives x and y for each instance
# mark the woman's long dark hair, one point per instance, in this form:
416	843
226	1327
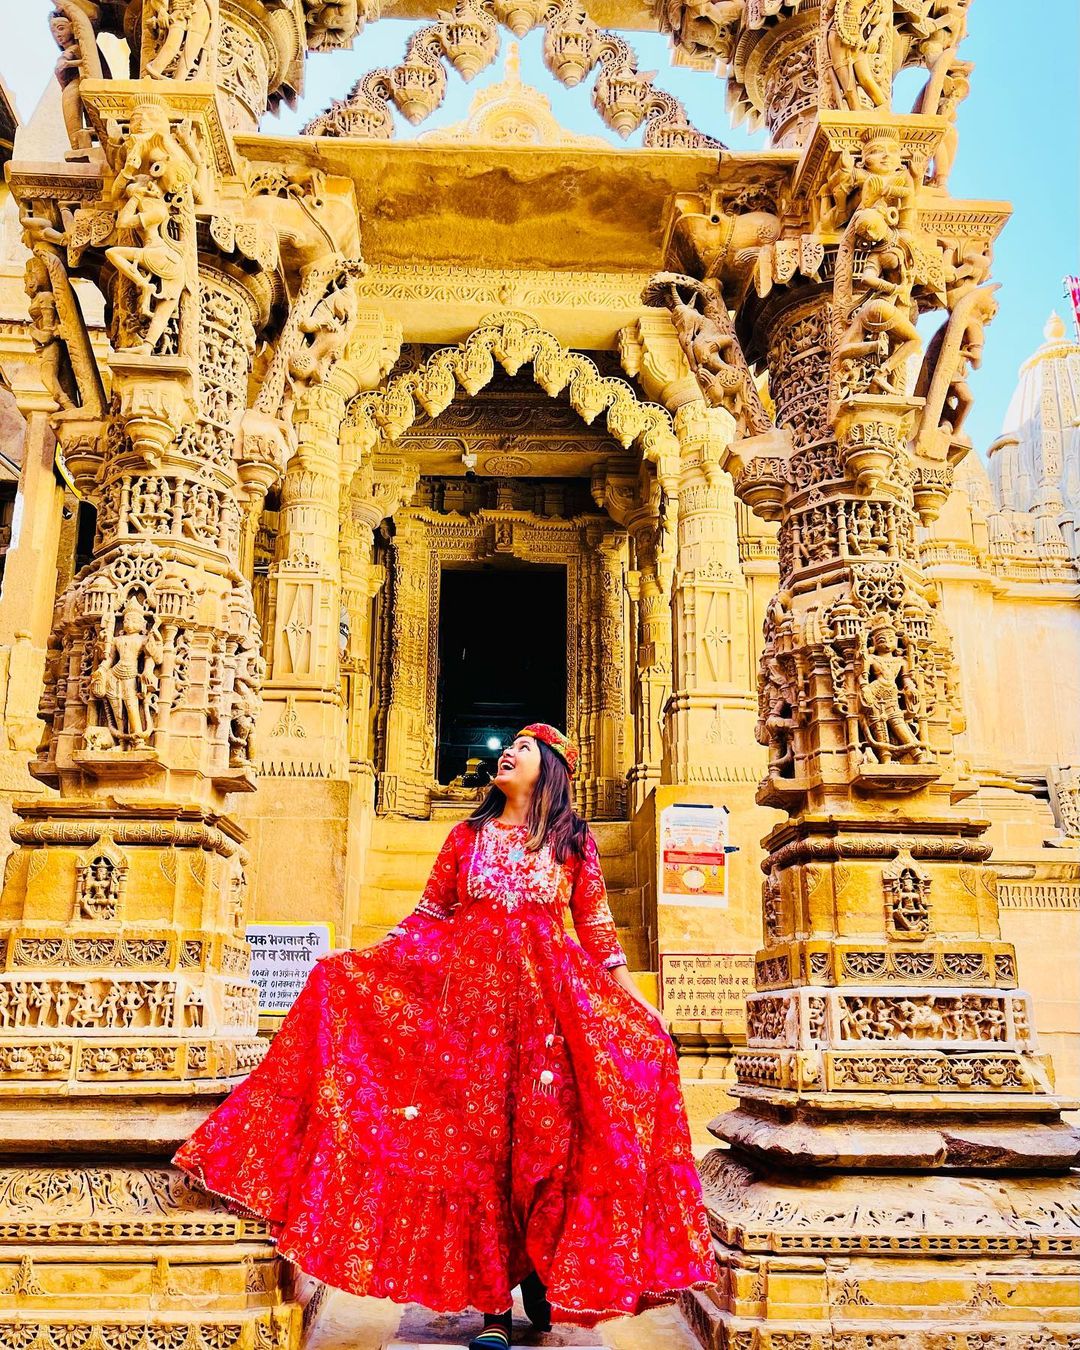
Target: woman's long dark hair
552	817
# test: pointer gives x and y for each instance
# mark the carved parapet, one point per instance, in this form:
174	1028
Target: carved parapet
168	1243
126	966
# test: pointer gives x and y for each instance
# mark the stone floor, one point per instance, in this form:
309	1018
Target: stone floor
349	1323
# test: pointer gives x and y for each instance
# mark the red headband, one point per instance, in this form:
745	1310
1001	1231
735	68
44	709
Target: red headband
562	745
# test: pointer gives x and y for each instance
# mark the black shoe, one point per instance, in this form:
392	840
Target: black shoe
496	1332
534	1298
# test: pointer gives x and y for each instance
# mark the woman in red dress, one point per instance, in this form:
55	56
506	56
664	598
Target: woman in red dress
476	1101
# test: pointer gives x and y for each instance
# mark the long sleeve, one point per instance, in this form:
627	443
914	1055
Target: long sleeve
439	897
593	921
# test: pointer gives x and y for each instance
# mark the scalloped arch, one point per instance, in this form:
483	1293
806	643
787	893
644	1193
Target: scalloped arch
513	341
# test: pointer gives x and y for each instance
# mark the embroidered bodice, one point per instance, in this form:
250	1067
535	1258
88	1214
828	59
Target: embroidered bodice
494	865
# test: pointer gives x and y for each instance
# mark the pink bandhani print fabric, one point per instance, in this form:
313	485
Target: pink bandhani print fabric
470	1098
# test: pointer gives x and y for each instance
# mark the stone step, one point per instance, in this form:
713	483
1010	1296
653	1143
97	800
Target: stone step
424	1330
402	852
348	1323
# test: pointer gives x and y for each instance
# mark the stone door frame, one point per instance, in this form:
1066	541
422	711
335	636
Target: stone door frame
592	550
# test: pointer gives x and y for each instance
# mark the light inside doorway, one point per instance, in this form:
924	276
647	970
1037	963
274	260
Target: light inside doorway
502	660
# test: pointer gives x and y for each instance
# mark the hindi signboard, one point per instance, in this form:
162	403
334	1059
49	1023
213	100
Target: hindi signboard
707	987
283	955
693	856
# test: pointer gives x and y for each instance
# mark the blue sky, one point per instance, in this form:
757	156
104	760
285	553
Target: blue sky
1019	141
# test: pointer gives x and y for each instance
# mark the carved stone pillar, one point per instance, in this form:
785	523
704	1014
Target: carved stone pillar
608	786
125	1008
303	725
405	787
652	652
892	1095
151	689
361	580
710	708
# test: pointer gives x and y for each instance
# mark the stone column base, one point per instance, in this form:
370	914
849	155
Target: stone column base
888	1261
135	1258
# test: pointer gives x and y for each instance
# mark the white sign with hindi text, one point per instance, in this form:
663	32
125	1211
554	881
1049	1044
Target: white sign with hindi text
283	955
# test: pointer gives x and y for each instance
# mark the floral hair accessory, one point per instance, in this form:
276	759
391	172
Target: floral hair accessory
560	743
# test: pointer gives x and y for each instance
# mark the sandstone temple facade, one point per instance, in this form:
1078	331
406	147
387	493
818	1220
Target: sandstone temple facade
311	443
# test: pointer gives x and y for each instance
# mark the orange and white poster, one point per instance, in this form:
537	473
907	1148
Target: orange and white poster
693	856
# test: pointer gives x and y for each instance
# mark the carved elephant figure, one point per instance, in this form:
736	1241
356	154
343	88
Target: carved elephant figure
723	245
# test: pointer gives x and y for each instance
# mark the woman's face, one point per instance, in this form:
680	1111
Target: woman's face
519	765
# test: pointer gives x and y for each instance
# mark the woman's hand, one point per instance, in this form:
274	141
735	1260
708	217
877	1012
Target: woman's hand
621	974
661	1020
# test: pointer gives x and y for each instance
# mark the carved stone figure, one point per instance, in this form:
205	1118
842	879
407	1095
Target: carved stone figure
881	331
45	234
331	23
956	86
707	338
125	681
315	335
890	699
325	325
72	27
1064	783
941	32
181	30
98	889
702	27
968	263
882	181
855	34
45	330
160	179
954	349
155	149
246	702
907	909
155	266
194	1009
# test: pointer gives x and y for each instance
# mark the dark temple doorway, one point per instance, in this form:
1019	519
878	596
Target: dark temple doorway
502	660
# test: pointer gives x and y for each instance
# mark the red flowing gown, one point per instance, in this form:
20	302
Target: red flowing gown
545	1126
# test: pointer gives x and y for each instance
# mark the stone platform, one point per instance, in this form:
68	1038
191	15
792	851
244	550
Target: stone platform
344	1322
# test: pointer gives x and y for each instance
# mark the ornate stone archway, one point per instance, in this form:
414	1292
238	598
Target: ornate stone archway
513	341
592	547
